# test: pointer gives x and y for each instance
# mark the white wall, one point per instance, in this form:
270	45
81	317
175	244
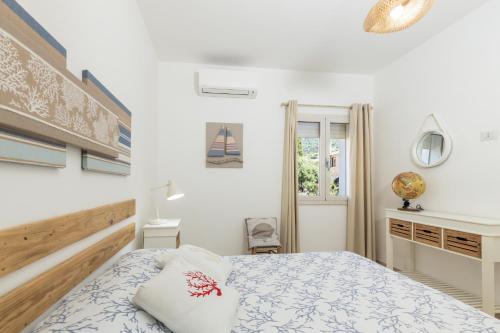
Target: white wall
218	200
456	75
322	227
121	56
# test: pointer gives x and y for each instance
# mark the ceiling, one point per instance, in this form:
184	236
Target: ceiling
317	35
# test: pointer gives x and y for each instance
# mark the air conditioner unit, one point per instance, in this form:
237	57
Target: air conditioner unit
227	83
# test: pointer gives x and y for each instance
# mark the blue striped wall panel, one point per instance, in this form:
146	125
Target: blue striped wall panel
125	135
125	132
29	20
18	148
125	139
86	75
21	149
104	165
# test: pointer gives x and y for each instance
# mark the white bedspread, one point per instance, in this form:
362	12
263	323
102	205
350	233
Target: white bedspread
300	293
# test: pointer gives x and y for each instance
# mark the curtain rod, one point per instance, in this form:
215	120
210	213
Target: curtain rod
319	106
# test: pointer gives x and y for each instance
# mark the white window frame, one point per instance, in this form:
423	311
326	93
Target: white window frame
324	197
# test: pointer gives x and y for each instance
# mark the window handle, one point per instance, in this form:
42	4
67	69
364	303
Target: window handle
327	163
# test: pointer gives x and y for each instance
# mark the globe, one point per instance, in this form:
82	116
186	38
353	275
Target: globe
408	186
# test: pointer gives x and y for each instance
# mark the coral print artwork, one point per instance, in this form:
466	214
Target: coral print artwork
33	88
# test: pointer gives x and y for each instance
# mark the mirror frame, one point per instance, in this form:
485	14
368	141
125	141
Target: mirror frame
448	144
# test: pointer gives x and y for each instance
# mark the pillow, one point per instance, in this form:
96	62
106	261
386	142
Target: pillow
262	232
188	300
209	262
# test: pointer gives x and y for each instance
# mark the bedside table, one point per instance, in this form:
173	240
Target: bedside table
165	235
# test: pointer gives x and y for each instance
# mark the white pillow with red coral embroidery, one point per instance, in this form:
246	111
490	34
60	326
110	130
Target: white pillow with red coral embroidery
207	261
188	300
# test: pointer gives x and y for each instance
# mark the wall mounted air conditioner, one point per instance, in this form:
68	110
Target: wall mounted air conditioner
227	83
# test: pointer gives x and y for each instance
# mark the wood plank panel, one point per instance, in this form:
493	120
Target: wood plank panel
401	228
34	127
97	90
96	163
24	244
427	234
26	303
16	26
20	148
27	39
463	242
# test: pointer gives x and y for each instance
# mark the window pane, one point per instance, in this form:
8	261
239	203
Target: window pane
337	159
308	145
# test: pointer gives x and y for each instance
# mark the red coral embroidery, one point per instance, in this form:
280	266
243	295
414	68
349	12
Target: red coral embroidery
201	284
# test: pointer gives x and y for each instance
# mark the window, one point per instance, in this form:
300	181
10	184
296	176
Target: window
336	152
309	150
321	158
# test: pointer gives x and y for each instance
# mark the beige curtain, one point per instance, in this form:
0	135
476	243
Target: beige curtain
289	228
360	211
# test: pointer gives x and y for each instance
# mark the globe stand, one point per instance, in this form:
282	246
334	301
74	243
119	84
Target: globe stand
407	208
408	186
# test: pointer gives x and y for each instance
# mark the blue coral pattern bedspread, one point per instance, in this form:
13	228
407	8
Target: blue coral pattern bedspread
300	293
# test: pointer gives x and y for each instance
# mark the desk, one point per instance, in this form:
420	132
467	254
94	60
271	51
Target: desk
472	237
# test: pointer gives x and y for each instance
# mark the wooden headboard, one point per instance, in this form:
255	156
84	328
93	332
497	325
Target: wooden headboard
22	245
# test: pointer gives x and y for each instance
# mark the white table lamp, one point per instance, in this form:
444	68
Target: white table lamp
173	193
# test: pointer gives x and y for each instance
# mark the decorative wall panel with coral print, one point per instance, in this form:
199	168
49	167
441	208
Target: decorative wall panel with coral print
31	87
38	95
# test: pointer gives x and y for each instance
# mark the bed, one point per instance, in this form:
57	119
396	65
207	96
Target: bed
310	292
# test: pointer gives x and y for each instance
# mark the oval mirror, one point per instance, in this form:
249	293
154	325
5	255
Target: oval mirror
432	147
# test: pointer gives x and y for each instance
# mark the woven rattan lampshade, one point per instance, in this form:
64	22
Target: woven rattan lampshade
396	15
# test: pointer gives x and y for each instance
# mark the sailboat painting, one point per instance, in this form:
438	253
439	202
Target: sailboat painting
224	145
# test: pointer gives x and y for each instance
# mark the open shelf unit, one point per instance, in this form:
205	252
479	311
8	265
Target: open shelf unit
461	295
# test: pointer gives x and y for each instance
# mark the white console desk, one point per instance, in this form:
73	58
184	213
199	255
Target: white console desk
471	237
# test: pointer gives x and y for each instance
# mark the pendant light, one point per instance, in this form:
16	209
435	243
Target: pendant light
395	15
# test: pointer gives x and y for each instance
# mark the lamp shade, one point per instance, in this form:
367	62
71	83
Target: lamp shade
395	15
173	192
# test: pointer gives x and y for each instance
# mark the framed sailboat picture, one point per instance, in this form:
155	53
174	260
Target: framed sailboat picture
224	144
